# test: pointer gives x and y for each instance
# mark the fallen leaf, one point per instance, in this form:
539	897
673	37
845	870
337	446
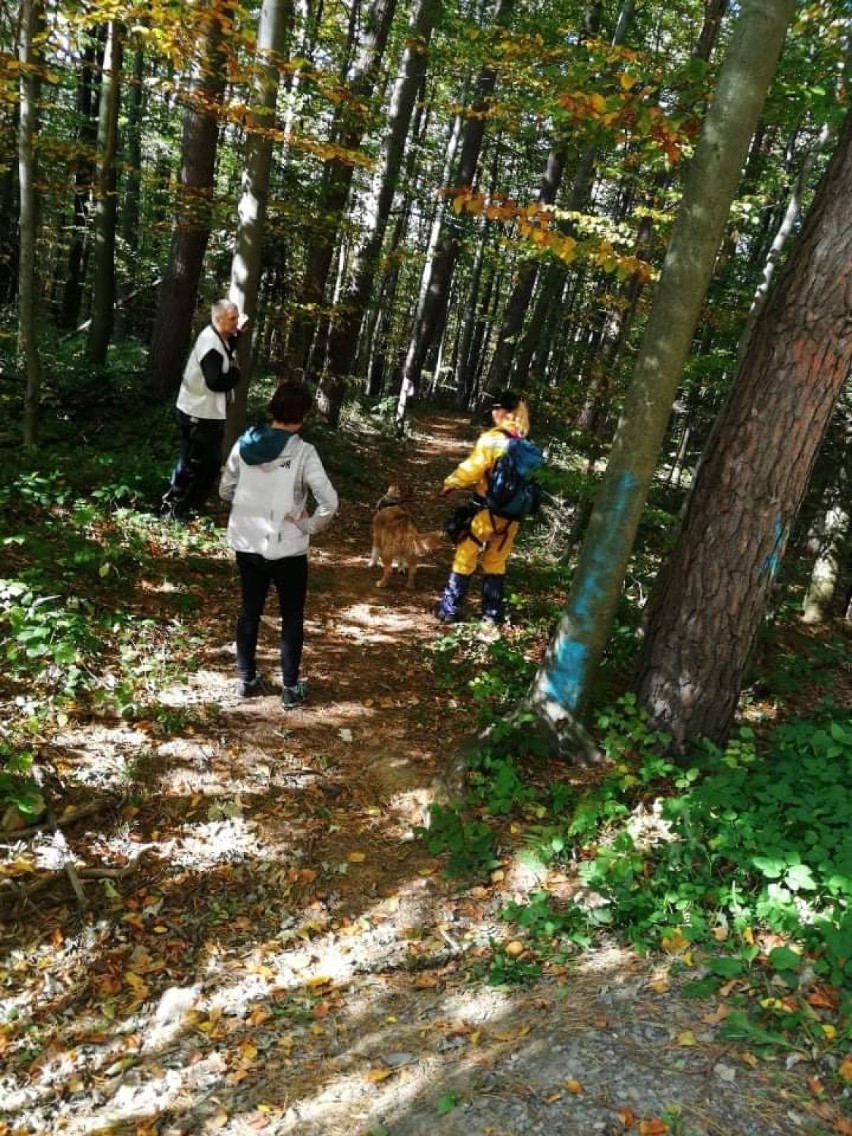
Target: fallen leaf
377	1075
627	1117
654	1127
357	857
573	1086
845	1070
686	1037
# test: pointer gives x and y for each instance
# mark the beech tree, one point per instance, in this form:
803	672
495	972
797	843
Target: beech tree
435	294
562	685
179	289
105	212
248	244
708	603
32	15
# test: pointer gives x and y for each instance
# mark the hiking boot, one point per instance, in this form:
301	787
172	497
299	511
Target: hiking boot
443	617
293	696
251	687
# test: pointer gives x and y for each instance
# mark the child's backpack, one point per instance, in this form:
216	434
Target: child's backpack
511	493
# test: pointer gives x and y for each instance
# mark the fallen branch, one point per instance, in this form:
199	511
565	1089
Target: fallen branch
13	835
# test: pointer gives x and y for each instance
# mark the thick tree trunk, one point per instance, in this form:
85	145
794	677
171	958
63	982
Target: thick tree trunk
178	291
706	609
104	210
562	686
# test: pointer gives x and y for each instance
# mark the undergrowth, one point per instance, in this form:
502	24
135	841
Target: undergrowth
735	864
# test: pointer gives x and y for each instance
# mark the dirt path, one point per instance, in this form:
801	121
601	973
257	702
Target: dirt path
286	958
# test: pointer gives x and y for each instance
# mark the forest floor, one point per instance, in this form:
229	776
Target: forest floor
268	948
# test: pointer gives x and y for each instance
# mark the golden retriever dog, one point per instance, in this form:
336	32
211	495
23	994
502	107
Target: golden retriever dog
396	538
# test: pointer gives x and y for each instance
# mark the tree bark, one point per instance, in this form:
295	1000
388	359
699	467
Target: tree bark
248	243
343	344
707	607
88	87
350	123
429	317
32	16
176	303
104	211
562	685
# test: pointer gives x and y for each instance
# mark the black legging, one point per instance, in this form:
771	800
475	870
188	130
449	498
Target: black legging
290	577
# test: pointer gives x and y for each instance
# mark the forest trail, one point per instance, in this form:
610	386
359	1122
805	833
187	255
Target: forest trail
285	957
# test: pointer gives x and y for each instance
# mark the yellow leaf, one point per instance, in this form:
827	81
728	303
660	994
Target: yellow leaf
514	948
135	981
248	1051
357	857
377	1075
748	936
573	1086
661	986
319	980
686	1037
845	1070
829	1031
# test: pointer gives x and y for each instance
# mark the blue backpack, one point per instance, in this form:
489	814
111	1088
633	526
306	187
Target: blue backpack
511	493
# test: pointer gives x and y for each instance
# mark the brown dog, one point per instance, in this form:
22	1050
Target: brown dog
396	538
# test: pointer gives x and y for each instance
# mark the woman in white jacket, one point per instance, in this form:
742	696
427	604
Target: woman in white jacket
267	478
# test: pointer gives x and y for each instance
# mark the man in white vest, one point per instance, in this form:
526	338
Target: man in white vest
209	377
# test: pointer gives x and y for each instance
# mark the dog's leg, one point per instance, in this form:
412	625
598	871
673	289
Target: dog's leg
373	562
387	569
412	572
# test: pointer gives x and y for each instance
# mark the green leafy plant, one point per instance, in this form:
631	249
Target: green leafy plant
468	843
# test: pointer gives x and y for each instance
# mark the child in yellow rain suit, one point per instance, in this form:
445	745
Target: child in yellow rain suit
490	537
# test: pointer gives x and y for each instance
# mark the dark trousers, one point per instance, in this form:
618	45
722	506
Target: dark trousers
290	577
199	463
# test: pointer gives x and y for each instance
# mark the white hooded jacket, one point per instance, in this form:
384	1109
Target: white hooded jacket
269	497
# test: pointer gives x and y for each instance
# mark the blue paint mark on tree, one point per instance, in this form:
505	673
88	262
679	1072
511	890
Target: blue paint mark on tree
567	667
772	563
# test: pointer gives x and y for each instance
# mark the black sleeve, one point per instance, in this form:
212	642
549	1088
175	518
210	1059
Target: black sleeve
214	376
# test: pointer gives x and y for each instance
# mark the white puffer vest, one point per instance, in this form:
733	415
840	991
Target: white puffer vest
195	398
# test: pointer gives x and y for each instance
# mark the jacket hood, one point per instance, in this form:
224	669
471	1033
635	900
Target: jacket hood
263	444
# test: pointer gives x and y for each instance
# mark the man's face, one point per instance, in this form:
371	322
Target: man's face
226	324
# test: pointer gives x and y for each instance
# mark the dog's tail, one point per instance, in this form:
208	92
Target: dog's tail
429	542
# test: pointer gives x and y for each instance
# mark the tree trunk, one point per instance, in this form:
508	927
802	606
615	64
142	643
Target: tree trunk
343	345
562	686
88	87
706	609
178	292
248	243
350	124
430	315
104	211
32	16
